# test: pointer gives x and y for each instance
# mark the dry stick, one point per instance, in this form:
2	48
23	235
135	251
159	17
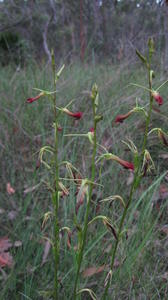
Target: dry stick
133	187
55	194
88	206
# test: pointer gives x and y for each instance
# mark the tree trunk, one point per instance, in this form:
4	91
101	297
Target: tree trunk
45	44
82	33
166	36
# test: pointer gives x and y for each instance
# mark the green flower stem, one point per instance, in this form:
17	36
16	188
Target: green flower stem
84	234
55	196
133	187
149	112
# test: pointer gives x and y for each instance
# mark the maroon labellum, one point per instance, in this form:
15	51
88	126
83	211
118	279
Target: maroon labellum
30	100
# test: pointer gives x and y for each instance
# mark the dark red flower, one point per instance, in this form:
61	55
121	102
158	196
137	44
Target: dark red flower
157	97
121	118
76	115
124	163
30	100
59	128
91	130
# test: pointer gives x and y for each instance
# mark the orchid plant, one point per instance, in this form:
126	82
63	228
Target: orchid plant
141	164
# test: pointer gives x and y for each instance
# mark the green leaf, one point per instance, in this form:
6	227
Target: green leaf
59	72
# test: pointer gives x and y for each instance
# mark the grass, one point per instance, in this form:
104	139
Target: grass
26	128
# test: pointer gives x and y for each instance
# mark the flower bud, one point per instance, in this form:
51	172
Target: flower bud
157	97
148	163
94	92
98	118
162	137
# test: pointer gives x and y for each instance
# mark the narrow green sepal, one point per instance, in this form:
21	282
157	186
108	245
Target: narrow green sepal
59	72
142	58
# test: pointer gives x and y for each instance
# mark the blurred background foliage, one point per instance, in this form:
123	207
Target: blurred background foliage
84	29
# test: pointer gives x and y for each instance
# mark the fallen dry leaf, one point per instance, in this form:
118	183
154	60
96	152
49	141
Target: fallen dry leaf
93	270
6	259
2	211
10	189
164	229
5	244
163	191
166	177
31	189
4	275
12	214
116	263
17	244
163	156
165	276
108	248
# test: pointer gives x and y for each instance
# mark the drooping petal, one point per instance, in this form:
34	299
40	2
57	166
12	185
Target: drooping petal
121	118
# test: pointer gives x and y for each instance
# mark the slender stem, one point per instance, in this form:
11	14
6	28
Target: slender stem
55	196
82	246
149	112
133	187
119	235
